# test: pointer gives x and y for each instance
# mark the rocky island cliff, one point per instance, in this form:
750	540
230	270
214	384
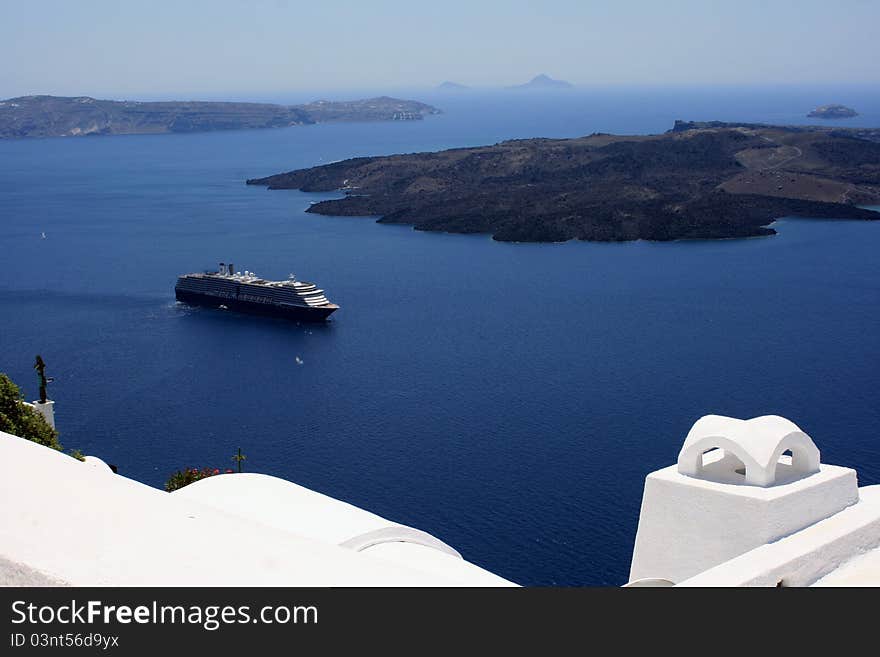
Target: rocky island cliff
57	116
707	180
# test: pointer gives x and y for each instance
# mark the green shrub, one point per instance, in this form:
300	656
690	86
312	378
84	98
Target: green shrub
22	420
182	478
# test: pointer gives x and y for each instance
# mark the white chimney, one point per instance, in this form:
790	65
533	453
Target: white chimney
738	484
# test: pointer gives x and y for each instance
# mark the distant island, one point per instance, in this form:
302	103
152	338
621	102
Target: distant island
833	112
543	82
698	181
59	116
451	86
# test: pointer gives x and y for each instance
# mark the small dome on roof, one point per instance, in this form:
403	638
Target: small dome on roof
749	452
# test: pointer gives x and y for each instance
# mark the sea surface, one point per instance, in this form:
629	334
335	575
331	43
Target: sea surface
508	398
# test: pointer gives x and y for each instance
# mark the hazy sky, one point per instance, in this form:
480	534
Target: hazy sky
199	48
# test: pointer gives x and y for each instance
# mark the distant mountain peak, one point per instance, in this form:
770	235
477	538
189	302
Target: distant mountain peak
451	86
543	81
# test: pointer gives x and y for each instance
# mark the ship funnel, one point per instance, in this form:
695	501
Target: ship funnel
222	269
231	269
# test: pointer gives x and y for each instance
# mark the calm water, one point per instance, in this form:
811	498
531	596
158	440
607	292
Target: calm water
508	398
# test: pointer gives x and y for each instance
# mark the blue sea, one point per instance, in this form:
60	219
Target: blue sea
508	398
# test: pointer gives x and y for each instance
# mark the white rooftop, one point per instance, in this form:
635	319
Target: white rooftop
68	522
747	504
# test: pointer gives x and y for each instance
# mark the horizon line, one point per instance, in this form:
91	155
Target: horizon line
382	90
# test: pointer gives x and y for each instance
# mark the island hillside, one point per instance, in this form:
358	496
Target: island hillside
695	181
56	116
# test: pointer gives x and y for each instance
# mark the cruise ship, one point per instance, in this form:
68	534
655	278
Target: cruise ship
246	292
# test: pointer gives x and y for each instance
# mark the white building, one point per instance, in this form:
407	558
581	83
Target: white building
748	504
67	522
